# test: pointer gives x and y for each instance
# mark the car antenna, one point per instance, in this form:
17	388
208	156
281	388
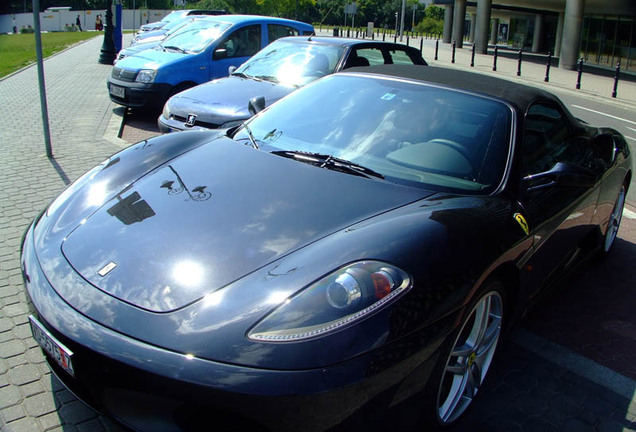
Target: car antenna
309	39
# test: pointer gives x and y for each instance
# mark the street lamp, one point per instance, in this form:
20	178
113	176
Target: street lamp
108	53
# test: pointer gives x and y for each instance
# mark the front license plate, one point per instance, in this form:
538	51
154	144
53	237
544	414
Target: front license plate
52	346
117	91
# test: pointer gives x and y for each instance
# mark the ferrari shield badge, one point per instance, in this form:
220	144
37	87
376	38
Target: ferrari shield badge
522	223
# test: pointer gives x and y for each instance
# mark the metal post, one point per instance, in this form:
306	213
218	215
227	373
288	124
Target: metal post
618	71
422	46
578	78
519	62
494	64
38	52
407	40
547	69
108	53
453	57
472	57
436	48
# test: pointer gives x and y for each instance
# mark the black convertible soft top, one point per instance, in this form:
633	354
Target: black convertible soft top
520	96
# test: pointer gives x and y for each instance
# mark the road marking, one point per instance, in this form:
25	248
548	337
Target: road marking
629	214
605	114
583	367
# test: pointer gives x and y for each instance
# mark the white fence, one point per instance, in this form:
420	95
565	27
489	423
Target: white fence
57	20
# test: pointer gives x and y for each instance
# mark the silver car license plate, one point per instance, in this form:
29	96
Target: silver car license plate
117	91
57	350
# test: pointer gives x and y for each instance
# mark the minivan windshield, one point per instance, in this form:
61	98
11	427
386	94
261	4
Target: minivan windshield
408	132
292	63
195	37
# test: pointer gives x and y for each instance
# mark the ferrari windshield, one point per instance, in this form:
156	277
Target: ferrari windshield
408	132
195	37
292	63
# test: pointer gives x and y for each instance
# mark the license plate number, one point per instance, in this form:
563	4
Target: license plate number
117	91
52	346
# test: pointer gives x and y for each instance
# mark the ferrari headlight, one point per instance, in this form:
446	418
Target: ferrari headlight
347	295
146	76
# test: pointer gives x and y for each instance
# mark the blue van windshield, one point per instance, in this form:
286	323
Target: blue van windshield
195	37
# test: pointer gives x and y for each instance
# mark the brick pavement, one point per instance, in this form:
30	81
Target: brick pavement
526	391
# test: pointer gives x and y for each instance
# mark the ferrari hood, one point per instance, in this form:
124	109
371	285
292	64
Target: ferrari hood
212	216
225	99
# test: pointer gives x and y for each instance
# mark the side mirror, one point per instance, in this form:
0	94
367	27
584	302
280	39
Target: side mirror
256	105
231	70
219	54
604	149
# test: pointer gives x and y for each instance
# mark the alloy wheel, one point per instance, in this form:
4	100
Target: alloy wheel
470	358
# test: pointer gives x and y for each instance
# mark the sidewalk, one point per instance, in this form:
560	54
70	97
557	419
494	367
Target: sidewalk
526	392
594	86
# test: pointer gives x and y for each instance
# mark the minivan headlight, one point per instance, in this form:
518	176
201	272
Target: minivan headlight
146	76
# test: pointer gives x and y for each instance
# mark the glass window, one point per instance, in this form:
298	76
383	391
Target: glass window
244	42
411	133
196	36
292	63
545	138
277	31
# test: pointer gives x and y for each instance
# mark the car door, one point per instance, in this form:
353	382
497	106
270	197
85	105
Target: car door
559	189
235	48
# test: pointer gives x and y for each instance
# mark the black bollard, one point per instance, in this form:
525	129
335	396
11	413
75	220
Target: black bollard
453	57
422	46
494	62
547	68
472	57
519	63
383	36
436	48
407	40
395	37
578	78
618	71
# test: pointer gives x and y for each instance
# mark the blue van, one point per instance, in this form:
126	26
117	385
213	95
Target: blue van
200	52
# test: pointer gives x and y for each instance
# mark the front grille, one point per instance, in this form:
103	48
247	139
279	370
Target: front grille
123	74
207	125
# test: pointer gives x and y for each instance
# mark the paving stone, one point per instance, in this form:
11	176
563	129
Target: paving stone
12	348
10	395
40	404
49	421
25	424
24	374
76	412
12	413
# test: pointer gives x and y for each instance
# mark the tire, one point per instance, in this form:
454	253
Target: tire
614	222
461	372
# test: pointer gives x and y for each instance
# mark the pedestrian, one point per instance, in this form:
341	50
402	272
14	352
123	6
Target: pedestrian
78	23
98	23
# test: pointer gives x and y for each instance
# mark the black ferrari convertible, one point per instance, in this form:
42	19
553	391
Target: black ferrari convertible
365	241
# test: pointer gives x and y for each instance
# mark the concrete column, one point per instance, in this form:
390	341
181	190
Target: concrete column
494	31
459	18
483	22
559	35
572	26
448	23
537	37
473	22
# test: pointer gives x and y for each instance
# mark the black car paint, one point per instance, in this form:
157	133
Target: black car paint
451	245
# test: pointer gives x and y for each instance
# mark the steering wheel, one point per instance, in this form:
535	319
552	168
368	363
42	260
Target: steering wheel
452	144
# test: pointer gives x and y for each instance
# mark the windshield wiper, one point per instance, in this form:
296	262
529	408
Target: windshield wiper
269	78
329	162
241	74
251	136
174	48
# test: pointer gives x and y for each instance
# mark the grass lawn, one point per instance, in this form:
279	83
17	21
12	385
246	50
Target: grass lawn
18	50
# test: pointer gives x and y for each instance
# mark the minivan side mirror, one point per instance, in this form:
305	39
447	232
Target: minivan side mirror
256	105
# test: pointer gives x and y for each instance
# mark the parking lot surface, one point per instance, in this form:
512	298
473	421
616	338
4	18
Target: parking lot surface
570	366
